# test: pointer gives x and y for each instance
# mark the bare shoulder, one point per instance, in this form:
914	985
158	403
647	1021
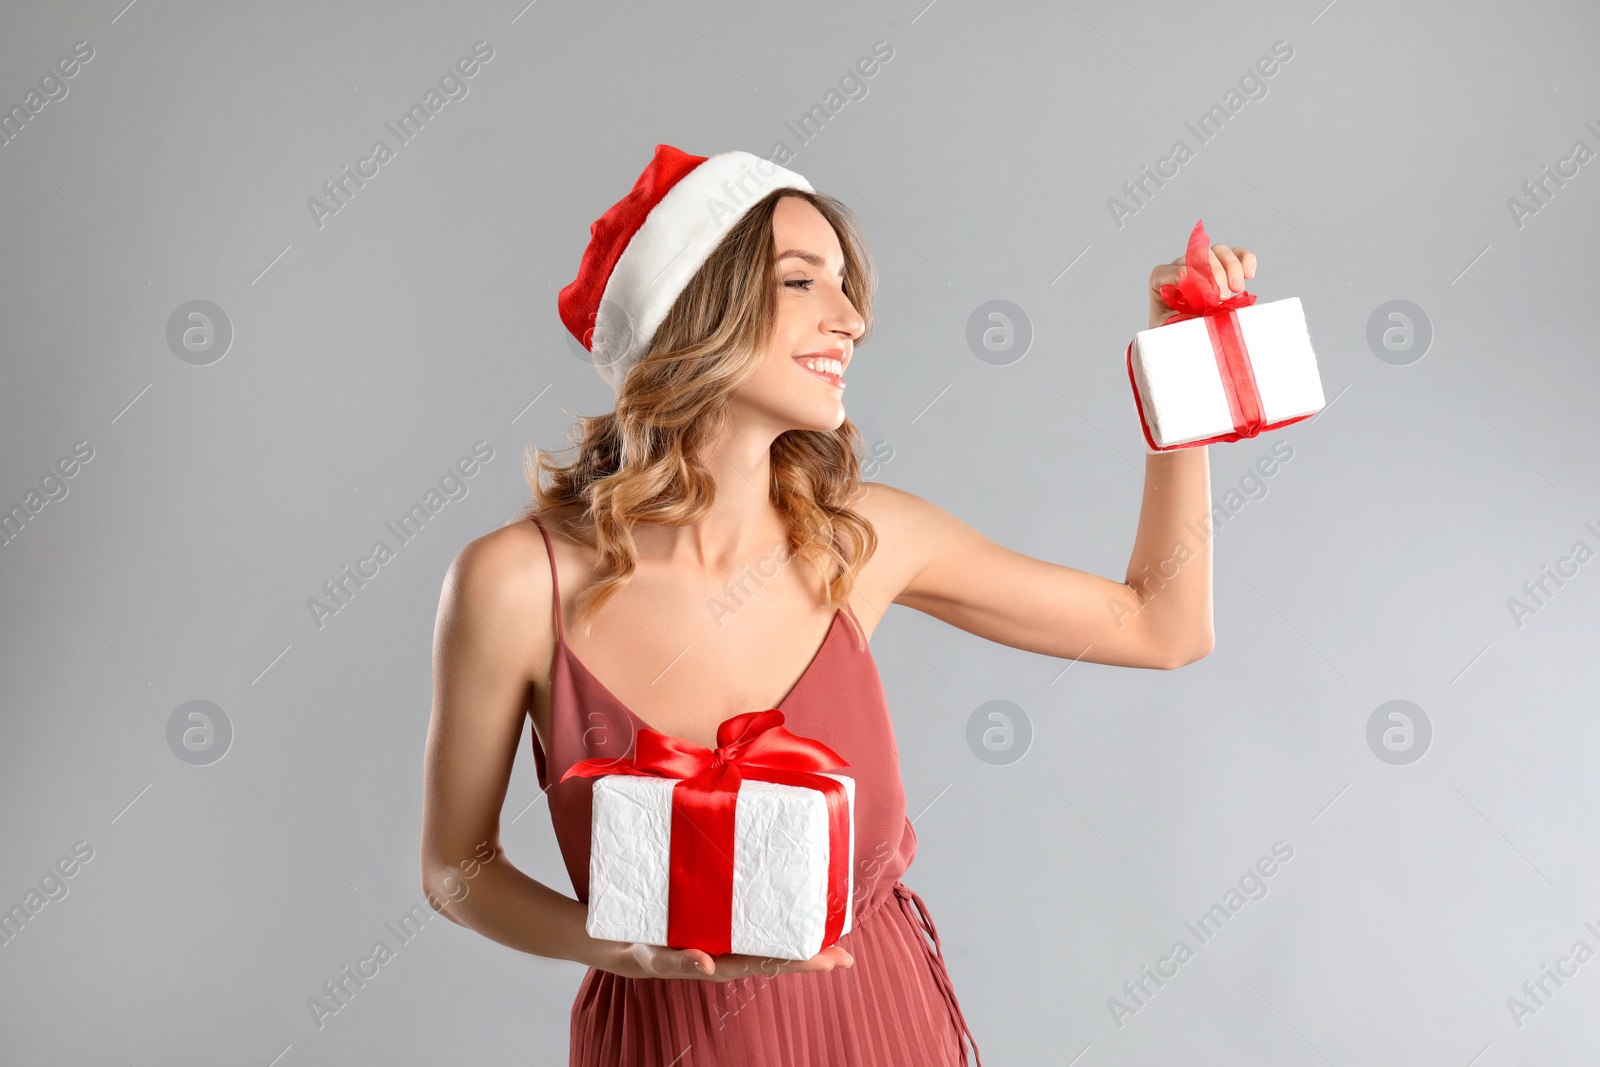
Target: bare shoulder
906	518
911	532
882	500
497	596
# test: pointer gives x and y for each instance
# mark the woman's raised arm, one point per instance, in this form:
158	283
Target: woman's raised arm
956	574
1159	616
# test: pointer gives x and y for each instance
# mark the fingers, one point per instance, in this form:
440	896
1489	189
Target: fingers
1247	259
729	967
1232	266
1165	274
839	956
1230	269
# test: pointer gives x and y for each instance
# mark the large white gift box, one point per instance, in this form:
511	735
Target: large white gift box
1178	376
780	860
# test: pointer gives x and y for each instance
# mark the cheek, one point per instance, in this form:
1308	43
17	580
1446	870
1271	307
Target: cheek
781	346
774	387
774	377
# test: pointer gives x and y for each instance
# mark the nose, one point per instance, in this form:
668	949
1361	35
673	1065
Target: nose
842	318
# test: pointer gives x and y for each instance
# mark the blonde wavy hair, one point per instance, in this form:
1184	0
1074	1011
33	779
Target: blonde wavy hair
640	462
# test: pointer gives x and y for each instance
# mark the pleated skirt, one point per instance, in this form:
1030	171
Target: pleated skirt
895	1008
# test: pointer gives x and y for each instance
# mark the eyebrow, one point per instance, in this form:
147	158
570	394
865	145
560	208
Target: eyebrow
810	257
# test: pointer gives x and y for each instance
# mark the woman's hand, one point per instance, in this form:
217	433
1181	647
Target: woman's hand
636	960
1230	269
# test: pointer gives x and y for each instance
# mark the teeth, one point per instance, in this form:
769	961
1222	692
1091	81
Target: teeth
830	366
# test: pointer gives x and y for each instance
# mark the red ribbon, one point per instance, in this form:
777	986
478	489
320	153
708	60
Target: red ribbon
1197	296
753	745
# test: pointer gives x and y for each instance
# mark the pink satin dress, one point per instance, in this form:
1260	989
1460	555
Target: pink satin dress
895	1008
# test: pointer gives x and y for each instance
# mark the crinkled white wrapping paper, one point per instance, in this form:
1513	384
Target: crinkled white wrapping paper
780	864
1180	385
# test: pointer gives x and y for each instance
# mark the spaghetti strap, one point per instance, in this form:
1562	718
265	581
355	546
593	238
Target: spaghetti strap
555	583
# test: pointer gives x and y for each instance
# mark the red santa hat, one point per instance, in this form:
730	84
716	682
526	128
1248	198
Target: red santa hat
647	246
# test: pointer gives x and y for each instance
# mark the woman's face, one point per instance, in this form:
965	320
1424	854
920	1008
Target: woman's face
815	323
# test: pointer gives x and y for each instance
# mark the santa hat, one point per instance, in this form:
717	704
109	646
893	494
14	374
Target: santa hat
647	246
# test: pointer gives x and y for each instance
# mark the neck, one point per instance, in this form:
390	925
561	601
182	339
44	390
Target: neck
742	523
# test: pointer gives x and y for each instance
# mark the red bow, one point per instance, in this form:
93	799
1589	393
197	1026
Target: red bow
1197	293
753	745
1197	296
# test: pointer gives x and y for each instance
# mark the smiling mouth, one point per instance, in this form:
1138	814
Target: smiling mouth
822	368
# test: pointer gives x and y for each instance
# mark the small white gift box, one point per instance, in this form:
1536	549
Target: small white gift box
1182	381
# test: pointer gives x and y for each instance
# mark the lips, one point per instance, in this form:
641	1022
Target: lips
835	380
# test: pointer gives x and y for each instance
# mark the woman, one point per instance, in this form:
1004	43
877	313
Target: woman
719	517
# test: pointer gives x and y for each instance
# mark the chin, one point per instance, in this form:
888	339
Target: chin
794	409
824	420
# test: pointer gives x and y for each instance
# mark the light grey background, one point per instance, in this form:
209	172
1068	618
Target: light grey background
370	353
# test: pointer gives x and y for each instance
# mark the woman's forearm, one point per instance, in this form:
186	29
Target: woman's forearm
1170	567
500	902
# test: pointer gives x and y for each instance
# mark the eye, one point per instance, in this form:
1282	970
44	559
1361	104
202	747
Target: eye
804	283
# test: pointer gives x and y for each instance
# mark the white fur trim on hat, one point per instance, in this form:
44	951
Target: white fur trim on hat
671	244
